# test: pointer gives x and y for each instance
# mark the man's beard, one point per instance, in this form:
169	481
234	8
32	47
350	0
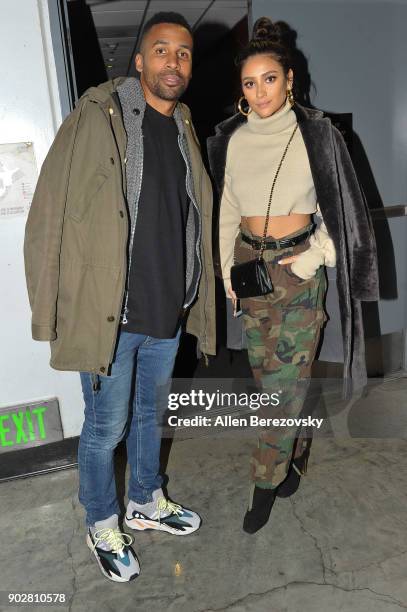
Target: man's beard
163	91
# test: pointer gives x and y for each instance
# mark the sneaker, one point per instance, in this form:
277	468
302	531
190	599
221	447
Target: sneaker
111	547
162	514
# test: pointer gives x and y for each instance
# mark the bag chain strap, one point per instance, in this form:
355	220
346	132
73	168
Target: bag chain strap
263	240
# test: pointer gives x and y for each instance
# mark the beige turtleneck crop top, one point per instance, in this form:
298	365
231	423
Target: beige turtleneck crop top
254	152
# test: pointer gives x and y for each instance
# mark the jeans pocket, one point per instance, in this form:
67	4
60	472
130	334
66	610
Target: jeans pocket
95	382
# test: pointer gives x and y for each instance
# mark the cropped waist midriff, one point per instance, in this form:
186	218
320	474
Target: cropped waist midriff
278	226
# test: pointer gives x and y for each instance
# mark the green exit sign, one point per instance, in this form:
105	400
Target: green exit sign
32	424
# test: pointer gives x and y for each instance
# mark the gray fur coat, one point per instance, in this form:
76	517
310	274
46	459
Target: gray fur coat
347	219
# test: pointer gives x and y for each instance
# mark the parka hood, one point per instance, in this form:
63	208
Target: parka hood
102	92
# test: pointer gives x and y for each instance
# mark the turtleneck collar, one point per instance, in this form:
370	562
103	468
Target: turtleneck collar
280	121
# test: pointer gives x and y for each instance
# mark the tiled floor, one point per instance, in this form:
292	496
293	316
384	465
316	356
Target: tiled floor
339	544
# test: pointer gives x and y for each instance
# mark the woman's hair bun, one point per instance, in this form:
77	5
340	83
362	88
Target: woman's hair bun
274	32
263	29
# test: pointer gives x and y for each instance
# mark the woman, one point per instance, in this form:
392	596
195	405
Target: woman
276	152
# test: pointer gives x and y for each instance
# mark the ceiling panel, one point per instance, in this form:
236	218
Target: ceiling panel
118	22
179	6
117	5
118	18
228	17
191	13
117	32
226	4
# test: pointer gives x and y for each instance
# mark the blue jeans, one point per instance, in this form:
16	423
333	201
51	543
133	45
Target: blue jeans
148	362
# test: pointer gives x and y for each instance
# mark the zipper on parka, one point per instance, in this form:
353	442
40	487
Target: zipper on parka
191	197
133	229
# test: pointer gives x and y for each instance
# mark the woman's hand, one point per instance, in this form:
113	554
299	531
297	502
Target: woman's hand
308	267
232	295
288	260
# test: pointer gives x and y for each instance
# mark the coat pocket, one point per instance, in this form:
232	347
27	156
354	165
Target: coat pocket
80	205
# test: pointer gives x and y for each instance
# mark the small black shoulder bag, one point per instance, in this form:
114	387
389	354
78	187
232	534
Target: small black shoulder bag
252	278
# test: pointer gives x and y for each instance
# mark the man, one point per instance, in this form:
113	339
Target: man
117	249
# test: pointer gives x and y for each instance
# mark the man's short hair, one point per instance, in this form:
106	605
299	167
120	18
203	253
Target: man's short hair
165	17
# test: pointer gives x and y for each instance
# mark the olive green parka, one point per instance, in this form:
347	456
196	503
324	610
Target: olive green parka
77	234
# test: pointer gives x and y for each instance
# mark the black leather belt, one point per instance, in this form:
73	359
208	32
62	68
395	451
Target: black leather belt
278	244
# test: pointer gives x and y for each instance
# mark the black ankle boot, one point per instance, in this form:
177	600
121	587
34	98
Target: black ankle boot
258	515
289	486
291	483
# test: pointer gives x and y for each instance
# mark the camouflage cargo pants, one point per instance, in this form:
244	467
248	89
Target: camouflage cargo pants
283	331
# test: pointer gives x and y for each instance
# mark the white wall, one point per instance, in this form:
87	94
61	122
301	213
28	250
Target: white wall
356	52
29	111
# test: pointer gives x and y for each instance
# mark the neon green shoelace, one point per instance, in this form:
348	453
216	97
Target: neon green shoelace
166	504
115	538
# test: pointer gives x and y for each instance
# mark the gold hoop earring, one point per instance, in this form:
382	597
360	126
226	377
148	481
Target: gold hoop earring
239	106
290	96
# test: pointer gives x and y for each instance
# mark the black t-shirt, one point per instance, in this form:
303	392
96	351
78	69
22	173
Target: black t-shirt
157	272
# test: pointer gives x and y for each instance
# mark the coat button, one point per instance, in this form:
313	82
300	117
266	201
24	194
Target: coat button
112	161
121	213
136	111
111	111
103	369
187	121
110	318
